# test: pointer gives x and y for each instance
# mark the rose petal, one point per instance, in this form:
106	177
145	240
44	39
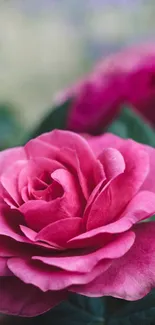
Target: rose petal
34	168
39	148
11	156
18	298
9	223
35	211
64	140
83	117
9	180
113	162
73	199
109	140
47	278
141	206
132	276
85	263
149	183
61	231
114	165
108	204
31	235
71	204
9	247
4	271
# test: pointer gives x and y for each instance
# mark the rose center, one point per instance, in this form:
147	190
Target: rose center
44	188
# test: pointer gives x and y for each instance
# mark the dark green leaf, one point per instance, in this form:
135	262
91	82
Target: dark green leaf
129	125
78	310
133	313
55	119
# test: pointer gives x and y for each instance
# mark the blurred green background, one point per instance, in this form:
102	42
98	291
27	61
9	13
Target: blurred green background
45	45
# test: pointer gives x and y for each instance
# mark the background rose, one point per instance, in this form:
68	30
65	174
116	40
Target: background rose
126	77
67	220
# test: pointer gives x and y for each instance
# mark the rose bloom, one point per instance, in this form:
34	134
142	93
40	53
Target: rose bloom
71	212
124	78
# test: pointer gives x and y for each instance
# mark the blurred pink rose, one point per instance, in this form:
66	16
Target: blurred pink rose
126	77
70	212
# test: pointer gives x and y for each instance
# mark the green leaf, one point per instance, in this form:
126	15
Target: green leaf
129	125
77	310
136	312
10	130
55	119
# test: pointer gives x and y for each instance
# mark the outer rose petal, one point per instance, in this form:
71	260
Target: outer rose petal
149	183
10	156
142	206
48	278
9	180
109	140
10	247
4	271
18	298
85	263
132	276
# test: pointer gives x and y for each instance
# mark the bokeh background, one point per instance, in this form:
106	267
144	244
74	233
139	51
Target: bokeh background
45	45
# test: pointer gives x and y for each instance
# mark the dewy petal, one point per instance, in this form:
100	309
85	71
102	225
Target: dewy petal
142	206
18	298
132	276
61	231
85	263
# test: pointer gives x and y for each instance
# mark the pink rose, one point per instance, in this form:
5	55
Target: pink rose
70	220
126	77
